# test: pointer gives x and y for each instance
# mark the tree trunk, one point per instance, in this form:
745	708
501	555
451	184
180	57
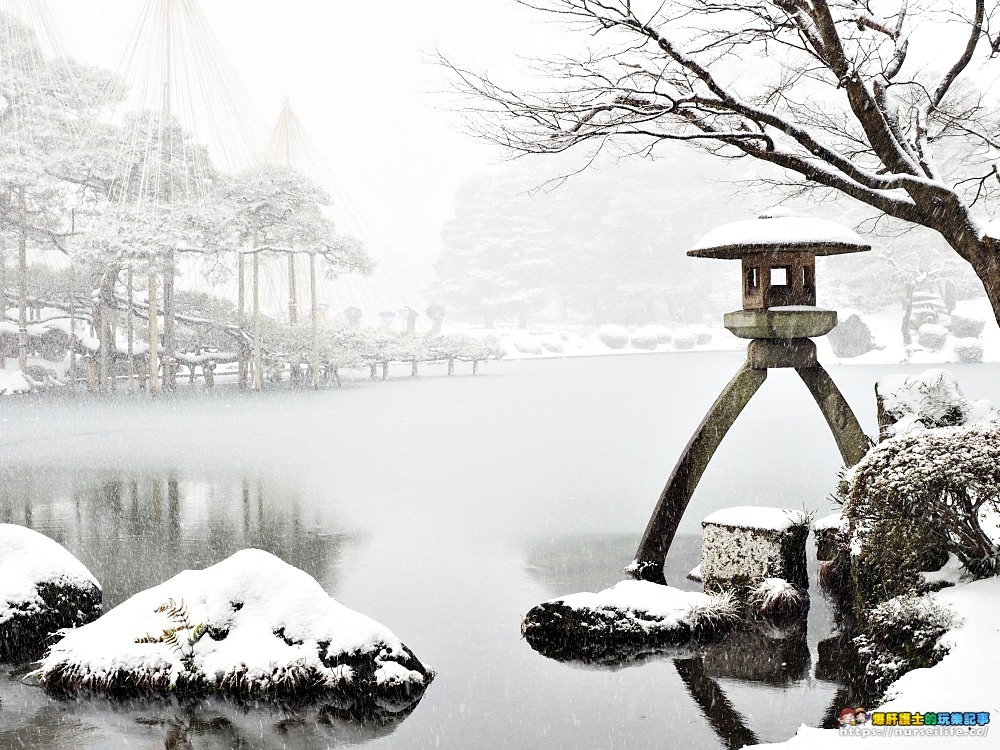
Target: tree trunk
413	369
451	366
385	371
907	313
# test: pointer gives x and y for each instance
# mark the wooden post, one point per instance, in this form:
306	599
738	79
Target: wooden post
169	336
258	381
242	304
293	301
315	320
3	295
129	326
22	298
154	332
71	341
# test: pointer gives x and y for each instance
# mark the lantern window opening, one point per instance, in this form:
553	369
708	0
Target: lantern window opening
780	276
753	279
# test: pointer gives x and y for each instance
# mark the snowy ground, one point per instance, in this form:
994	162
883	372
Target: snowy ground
965	680
885	327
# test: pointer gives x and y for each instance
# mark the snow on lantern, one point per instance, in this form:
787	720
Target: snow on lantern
780	317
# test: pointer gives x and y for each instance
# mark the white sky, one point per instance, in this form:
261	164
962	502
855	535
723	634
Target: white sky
359	81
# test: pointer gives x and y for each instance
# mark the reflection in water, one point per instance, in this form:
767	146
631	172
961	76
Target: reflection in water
136	529
759	658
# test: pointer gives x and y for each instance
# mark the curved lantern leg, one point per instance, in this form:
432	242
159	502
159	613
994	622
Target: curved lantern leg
648	564
851	439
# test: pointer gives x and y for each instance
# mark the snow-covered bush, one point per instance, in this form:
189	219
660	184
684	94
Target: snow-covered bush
643	339
932	336
684	340
528	345
613	337
969	350
42	588
901	634
931	399
553	344
963	328
662	334
702	334
249	626
917	497
777	599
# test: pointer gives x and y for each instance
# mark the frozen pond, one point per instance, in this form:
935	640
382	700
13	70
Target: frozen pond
444	508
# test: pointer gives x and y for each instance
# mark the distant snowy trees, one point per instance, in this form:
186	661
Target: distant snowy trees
608	245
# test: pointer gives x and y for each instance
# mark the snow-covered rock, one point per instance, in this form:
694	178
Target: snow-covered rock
250	625
931	399
630	616
744	546
42	588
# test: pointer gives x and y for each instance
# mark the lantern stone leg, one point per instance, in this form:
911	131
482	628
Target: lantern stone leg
687	473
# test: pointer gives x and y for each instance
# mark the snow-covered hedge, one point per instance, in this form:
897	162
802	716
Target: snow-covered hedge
969	350
932	336
684	340
931	399
643	339
42	588
248	626
629	617
613	337
917	497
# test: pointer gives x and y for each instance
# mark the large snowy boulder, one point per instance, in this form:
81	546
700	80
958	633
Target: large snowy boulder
248	626
42	588
631	617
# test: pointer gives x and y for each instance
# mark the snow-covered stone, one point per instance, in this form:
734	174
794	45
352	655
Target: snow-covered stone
743	546
931	399
830	532
629	616
250	625
42	588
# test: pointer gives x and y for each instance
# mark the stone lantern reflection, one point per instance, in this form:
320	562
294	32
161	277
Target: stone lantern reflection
780	317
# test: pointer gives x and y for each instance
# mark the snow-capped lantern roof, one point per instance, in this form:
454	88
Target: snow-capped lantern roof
778	232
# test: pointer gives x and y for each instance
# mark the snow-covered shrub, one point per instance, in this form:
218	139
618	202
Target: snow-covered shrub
901	634
528	345
662	334
553	344
629	617
964	328
931	399
613	337
932	336
914	499
702	334
777	599
249	626
922	316
684	340
969	350
644	339
851	338
43	588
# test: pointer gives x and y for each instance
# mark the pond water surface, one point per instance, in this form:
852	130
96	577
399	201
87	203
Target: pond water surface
445	508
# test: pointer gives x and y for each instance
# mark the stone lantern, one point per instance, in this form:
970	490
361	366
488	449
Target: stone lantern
780	317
